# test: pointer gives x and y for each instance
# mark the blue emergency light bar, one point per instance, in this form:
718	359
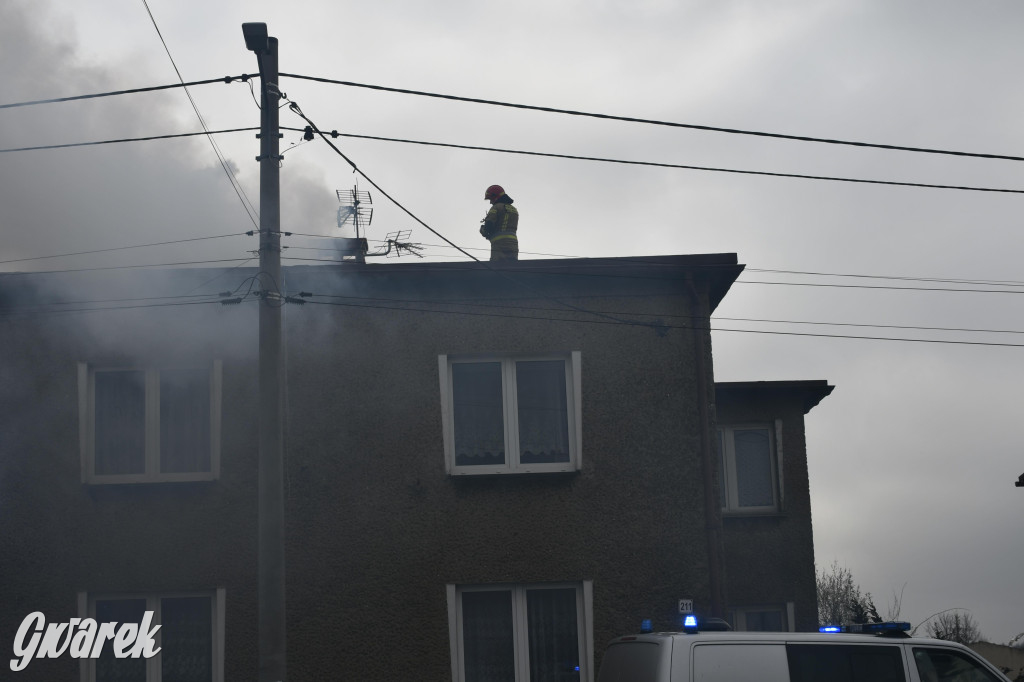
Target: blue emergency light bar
690	623
868	628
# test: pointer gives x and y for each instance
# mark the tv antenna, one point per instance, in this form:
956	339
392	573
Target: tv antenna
356	209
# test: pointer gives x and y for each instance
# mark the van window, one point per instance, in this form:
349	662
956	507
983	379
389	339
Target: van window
630	662
736	661
845	663
946	665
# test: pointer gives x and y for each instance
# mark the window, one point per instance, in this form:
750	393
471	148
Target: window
521	633
947	665
762	618
737	661
140	425
517	414
845	663
747	473
191	637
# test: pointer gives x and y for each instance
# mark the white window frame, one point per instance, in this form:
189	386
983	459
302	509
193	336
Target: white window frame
730	495
584	625
87	609
738	615
152	473
512	465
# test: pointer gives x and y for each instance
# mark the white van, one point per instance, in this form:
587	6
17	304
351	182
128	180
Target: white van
890	656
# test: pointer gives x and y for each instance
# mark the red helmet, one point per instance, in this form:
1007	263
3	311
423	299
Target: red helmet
493	192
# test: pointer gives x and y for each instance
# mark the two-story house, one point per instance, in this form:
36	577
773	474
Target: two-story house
489	471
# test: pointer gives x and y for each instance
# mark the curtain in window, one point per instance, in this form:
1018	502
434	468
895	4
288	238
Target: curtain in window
120	414
543	413
753	468
478	413
489	654
187	639
108	667
554	639
184	420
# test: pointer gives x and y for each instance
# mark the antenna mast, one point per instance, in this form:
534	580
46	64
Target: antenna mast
356	209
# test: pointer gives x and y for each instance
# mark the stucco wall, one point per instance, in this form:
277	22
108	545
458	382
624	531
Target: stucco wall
383	528
770	556
375	526
60	537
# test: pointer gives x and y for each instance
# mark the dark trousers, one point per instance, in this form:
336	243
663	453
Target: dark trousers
505	249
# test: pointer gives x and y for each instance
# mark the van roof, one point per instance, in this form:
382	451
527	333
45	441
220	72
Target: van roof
753	637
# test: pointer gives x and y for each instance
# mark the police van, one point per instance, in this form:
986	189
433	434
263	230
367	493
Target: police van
877	652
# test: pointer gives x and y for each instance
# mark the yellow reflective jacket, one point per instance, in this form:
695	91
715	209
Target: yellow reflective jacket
501	221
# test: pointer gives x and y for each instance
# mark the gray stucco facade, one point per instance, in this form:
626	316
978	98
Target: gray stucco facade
769	555
383	532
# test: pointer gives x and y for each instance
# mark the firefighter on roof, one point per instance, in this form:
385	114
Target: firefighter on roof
499	226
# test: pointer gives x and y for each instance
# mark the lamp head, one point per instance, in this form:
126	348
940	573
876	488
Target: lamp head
256	39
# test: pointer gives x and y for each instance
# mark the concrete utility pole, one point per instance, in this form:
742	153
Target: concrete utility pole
272	653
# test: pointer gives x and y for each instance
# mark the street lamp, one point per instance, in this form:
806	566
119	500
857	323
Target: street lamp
270	491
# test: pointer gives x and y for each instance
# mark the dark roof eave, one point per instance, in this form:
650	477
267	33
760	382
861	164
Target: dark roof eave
719	270
810	391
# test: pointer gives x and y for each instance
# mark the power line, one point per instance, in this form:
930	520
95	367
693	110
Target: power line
314	128
250	210
990	282
800	138
148	265
224	79
734	131
4	312
466	303
43	304
667	326
870	286
747	268
222	274
558	272
681	166
125	139
298	112
121	248
653	164
469	303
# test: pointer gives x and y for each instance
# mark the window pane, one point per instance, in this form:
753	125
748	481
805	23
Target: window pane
120	405
554	638
753	468
630	662
739	662
478	413
487	636
187	639
839	663
108	667
543	414
943	665
184	420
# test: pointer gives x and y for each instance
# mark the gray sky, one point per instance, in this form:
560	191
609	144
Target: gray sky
913	457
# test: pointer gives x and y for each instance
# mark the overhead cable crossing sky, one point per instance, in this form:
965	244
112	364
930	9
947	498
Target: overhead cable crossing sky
611	117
